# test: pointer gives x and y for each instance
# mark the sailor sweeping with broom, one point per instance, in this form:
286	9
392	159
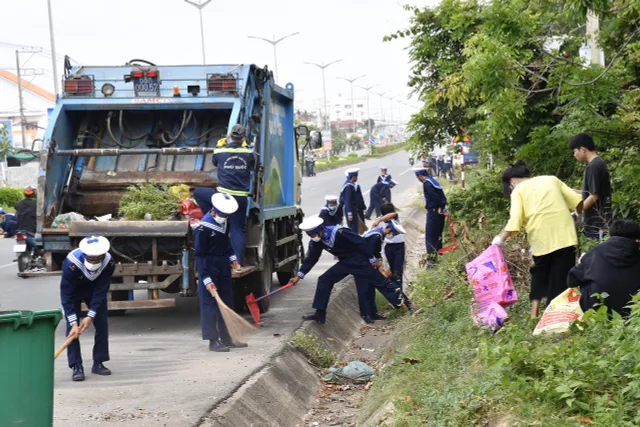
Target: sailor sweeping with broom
214	257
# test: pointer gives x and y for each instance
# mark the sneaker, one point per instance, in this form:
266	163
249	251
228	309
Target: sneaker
378	316
319	316
99	369
78	373
217	346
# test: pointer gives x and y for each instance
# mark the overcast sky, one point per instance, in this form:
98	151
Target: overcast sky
111	32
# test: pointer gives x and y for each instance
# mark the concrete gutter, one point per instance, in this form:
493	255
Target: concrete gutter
281	393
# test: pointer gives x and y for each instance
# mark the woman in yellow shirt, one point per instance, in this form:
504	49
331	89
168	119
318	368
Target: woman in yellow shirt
543	206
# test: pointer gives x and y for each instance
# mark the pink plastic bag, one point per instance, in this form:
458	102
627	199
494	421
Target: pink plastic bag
492	285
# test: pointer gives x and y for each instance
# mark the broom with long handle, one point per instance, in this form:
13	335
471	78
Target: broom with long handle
237	327
64	345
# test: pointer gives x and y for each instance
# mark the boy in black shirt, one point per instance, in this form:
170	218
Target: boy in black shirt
596	187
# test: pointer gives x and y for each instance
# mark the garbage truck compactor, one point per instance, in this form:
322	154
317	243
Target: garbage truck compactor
115	127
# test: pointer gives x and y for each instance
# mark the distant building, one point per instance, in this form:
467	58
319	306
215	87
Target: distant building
343	109
37	104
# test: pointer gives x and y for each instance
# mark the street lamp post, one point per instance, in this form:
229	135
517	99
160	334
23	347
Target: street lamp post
324	87
353	107
53	50
200	5
367	89
274	43
390	129
381	95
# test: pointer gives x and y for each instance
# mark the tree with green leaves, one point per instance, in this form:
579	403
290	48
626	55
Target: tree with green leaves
509	73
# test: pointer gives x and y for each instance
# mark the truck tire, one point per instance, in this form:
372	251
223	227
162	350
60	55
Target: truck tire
291	269
262	280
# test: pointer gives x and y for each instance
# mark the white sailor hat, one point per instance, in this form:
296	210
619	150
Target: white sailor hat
396	227
420	170
95	245
330	198
224	203
351	171
384	168
311	225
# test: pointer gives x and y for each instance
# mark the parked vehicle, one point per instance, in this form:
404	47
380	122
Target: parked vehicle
114	127
29	258
470	158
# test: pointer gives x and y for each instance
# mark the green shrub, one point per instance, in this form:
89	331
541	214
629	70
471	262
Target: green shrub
388	149
482	198
335	163
9	196
317	353
353	155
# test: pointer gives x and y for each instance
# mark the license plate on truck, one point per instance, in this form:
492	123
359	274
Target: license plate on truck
19	247
146	86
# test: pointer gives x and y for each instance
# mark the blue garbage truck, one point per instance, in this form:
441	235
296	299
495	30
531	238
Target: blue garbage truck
118	126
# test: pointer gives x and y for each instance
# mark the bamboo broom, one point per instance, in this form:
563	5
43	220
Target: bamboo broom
237	326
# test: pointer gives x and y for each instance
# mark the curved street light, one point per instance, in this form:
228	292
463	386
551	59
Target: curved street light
352	104
274	43
367	89
200	5
323	66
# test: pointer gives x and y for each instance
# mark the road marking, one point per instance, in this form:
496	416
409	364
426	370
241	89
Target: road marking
406	171
366	192
7	265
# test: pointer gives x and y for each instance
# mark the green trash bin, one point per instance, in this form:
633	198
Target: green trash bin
26	367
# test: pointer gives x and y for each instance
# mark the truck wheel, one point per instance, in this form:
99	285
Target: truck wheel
239	295
262	281
291	269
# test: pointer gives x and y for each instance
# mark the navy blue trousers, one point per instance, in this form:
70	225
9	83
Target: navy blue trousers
213	327
433	235
372	207
353	225
202	195
395	257
237	221
101	338
367	280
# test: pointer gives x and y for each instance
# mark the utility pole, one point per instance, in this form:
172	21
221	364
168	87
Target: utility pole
56	83
324	66
274	43
368	111
353	107
22	119
200	5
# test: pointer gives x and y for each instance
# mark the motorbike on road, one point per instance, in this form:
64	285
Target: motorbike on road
411	161
29	258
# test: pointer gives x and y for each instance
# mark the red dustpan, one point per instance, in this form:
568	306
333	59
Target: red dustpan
454	244
252	302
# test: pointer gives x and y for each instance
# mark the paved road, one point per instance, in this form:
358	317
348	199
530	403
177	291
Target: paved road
163	373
